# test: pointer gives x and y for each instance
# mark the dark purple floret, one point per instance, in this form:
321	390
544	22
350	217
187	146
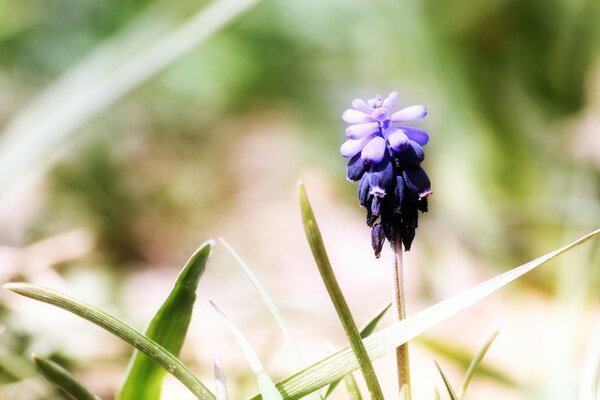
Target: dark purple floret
385	158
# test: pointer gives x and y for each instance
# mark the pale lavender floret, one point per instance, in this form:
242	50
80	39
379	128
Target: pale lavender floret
409	114
361	105
374	151
380	114
356	117
398	140
359	131
390	101
350	148
375	102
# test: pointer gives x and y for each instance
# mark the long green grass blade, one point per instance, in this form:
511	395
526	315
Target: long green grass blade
352	387
449	388
475	365
286	332
313	235
335	366
461	357
367	330
147	346
168	328
265	383
63	380
31	139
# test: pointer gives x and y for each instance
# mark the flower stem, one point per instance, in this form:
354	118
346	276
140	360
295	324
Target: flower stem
402	360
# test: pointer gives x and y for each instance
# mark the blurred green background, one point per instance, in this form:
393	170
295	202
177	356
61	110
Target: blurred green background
129	140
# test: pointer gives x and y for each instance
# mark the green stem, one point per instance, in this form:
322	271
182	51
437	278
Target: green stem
317	246
402	360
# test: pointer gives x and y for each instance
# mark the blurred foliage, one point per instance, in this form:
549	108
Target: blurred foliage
507	83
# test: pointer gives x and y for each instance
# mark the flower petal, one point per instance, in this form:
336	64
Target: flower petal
416	179
409	114
361	105
398	140
356	117
350	148
416	135
412	154
360	131
374	151
363	189
382	177
377	239
356	168
391	100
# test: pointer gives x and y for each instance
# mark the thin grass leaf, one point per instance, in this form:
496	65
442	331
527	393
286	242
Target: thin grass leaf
590	372
436	394
337	365
168	328
451	392
370	327
147	346
31	140
288	337
460	356
220	381
313	235
367	330
62	379
265	383
352	388
473	367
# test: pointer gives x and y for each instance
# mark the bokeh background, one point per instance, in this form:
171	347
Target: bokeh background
130	136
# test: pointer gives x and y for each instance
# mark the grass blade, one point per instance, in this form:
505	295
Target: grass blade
168	328
288	337
475	365
451	392
147	346
31	139
460	356
590	372
220	382
265	383
367	330
313	235
352	387
337	365
62	379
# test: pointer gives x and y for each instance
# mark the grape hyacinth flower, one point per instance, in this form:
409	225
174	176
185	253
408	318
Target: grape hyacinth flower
385	157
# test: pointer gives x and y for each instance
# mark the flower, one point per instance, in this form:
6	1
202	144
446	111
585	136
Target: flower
385	157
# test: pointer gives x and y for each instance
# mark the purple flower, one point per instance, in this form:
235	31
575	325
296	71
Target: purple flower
385	156
374	128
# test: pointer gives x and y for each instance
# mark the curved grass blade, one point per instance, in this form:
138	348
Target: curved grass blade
313	235
147	346
352	387
475	365
451	392
30	141
367	330
283	326
288	337
337	365
459	355
265	383
220	381
62	379
168	328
